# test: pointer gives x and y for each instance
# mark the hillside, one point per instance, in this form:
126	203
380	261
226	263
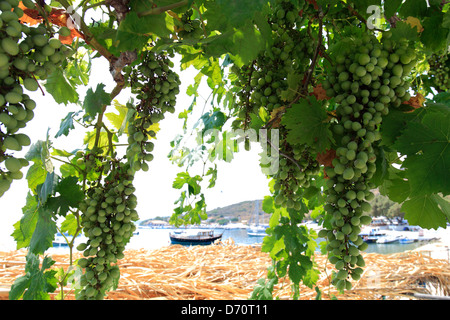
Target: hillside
238	212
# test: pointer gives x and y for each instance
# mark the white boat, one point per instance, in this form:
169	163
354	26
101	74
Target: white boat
257	229
405	240
388	239
372	234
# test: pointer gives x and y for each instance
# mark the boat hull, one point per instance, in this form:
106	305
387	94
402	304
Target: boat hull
189	241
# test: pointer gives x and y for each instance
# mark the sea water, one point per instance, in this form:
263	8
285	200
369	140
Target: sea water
151	239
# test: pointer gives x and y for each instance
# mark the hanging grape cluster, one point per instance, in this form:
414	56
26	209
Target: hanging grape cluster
440	71
295	174
108	223
264	81
267	83
26	54
366	80
156	86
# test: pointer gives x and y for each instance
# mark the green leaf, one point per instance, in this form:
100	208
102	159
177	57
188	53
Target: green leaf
94	101
69	225
224	15
70	190
70	195
413	8
61	90
37	283
424	211
120	120
434	36
47	188
44	233
192	182
404	30
36	175
243	45
213	120
24	228
391	7
427	147
213	172
268	204
40	152
308	123
66	125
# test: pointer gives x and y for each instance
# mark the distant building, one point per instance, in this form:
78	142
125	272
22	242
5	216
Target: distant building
155	223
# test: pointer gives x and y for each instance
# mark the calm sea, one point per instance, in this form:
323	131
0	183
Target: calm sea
150	239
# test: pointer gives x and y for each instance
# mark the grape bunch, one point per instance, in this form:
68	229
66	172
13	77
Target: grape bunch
440	71
107	221
26	54
156	86
295	174
190	28
266	81
366	80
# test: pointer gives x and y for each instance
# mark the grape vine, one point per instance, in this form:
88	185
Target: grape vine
26	54
366	80
358	102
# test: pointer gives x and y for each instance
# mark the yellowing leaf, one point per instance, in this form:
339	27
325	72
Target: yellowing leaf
414	22
118	120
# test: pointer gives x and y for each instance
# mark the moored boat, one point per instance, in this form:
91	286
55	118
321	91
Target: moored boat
388	239
203	237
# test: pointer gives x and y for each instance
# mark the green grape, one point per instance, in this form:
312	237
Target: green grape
21	66
374	74
108	231
156	85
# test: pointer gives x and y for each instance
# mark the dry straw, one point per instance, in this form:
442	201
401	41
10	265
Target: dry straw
228	271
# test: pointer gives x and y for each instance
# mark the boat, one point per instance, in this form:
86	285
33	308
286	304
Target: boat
202	237
405	240
257	229
371	235
388	239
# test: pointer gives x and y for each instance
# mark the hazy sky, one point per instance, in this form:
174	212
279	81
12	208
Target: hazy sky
237	181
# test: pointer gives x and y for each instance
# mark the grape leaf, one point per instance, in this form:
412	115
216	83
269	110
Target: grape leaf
48	187
307	122
224	15
213	120
434	36
427	146
44	232
391	7
413	8
120	120
70	195
37	282
94	101
192	182
69	225
424	211
36	175
24	228
66	125
61	90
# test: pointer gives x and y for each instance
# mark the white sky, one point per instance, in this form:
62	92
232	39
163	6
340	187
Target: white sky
237	181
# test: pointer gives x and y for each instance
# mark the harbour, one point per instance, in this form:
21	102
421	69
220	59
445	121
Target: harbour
380	239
